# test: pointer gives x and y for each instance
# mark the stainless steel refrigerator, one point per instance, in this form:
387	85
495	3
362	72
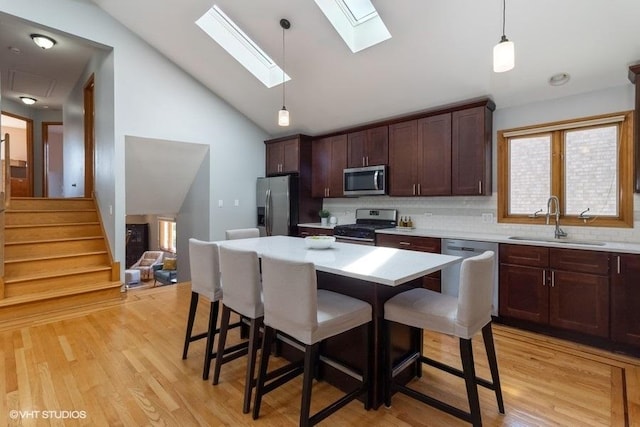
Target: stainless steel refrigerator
277	202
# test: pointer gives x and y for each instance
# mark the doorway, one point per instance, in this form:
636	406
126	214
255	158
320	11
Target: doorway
20	162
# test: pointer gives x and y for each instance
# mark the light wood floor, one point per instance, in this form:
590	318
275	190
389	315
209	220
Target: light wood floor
121	365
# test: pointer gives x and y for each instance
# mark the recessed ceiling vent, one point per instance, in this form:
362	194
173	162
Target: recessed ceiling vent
32	84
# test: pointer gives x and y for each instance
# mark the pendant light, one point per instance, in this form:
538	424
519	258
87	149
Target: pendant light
283	114
504	51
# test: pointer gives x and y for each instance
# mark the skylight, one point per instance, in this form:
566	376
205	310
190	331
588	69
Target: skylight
357	22
227	34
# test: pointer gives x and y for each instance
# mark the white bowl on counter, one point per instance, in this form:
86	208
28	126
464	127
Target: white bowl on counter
319	242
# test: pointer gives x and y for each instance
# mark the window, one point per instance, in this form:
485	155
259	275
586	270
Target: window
357	22
238	44
586	163
167	235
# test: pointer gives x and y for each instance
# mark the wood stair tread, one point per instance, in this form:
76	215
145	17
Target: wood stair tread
58	292
49	257
59	224
30	210
56	273
65	239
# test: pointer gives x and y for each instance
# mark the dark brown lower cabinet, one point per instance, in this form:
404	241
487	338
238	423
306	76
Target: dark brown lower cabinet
415	243
314	231
563	288
625	299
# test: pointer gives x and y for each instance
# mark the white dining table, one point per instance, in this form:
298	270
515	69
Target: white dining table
371	273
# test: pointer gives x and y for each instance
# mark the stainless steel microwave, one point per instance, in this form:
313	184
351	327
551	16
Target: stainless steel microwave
366	181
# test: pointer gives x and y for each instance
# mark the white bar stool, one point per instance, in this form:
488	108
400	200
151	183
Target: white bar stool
204	264
462	317
241	233
294	306
240	271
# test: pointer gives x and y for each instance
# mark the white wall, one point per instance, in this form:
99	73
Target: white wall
465	213
55	167
153	98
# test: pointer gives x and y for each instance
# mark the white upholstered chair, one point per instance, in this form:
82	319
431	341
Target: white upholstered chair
240	272
242	233
295	307
145	264
461	317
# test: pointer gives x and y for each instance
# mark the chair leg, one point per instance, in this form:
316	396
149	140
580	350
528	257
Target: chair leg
468	368
366	373
222	340
190	320
254	342
208	354
310	355
487	336
267	339
388	363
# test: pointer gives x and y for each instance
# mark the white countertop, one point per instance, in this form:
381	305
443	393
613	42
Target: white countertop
386	266
633	248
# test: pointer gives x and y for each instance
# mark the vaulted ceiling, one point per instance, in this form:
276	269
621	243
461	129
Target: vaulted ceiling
440	52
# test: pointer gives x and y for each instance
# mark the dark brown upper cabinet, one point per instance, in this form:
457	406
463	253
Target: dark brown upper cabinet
368	147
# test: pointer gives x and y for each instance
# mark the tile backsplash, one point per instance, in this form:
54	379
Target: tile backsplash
473	214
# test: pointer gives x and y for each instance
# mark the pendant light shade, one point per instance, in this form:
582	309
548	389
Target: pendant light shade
504	51
283	114
503	56
283	117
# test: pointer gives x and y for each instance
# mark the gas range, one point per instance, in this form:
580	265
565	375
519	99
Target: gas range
367	222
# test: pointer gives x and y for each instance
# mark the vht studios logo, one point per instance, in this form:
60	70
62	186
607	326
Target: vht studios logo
73	415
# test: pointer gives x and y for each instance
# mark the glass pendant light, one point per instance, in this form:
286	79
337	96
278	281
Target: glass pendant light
504	51
283	114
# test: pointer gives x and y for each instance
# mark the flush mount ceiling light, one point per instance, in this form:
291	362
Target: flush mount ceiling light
504	51
28	100
43	41
559	79
283	114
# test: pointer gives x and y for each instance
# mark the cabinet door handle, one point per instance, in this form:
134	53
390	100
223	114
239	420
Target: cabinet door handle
544	277
367	160
404	243
364	163
414	189
419	190
479	187
618	262
553	279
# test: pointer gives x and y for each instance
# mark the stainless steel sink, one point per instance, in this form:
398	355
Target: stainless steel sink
551	240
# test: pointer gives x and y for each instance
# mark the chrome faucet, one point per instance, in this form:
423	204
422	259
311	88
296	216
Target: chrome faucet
553	200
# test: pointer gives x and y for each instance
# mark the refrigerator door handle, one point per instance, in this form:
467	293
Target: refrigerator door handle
288	212
267	213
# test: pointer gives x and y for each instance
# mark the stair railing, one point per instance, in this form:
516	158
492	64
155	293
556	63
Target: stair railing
5	189
6	173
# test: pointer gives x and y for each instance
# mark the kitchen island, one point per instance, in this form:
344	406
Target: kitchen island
372	274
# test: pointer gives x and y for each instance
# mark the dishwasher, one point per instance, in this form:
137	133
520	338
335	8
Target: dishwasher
466	249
